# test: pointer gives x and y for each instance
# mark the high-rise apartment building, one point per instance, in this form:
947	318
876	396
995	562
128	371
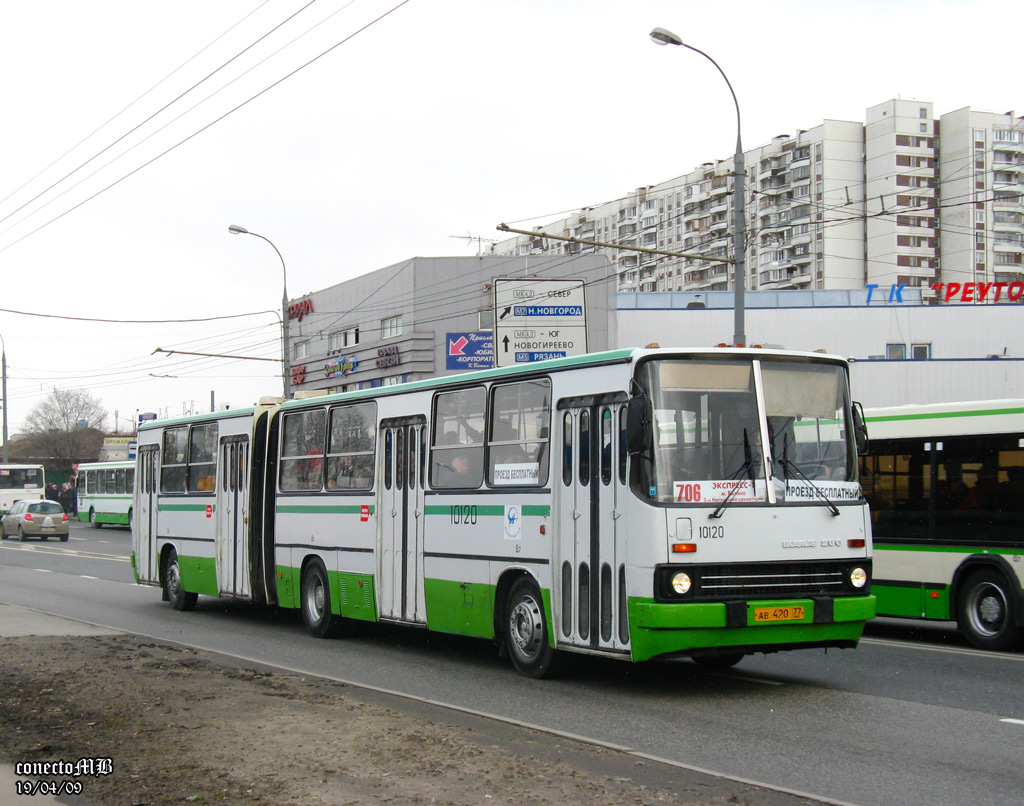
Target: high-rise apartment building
901	198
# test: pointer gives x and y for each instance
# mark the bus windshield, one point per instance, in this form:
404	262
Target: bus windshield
707	442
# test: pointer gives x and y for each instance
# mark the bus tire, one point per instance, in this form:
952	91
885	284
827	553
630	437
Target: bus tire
179	598
986	611
92	520
316	602
526	632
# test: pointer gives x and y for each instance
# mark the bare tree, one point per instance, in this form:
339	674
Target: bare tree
65	426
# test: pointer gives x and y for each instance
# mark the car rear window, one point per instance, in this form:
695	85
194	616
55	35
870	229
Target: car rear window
46	508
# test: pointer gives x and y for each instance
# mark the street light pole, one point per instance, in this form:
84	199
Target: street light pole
3	369
661	36
286	363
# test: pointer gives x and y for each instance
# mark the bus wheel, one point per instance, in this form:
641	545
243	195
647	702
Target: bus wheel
711	662
526	631
985	611
179	598
316	602
92	520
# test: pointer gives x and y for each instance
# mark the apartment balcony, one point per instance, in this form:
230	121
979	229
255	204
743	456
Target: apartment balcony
720	188
1008	276
1011	202
1013	247
720	205
773	225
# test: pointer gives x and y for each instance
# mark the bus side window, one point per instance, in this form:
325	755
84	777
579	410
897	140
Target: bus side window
567	449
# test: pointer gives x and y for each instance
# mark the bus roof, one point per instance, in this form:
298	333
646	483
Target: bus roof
946	419
626	355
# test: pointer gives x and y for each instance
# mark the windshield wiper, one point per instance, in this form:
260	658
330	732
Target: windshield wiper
788	465
749	462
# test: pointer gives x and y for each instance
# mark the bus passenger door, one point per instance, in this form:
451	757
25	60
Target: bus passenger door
400	569
232	517
589	537
144	515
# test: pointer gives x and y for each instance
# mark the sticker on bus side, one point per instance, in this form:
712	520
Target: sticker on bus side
797	490
518	473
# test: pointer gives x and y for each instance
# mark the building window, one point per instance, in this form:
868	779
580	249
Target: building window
341	339
895	352
300	350
923	112
391	327
485	319
920	352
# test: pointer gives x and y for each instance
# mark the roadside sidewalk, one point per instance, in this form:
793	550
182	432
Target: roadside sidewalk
17	622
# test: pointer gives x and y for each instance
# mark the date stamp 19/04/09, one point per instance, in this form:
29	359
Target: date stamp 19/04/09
58	777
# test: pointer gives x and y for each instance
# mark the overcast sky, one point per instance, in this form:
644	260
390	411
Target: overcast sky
123	163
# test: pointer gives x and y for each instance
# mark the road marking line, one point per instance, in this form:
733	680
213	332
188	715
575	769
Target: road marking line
1013	721
949	650
72	552
86	576
43	570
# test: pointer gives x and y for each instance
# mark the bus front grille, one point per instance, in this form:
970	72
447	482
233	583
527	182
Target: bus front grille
775	580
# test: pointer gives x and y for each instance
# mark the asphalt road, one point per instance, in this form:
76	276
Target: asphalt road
912	716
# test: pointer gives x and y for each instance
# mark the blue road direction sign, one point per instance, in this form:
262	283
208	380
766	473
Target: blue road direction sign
470	350
537	319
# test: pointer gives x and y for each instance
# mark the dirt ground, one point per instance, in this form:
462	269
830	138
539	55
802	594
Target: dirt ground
187	726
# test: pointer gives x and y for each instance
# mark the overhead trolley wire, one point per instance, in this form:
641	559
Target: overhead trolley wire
209	125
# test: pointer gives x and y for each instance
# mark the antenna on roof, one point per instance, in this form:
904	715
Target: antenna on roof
480	241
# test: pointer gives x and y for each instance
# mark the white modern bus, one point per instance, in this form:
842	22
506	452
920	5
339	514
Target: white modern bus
21	483
635	504
105	492
946	487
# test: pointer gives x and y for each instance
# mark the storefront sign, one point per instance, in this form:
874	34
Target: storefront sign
300	309
340	366
388	357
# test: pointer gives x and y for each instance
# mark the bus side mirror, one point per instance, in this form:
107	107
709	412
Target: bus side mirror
860	429
638	424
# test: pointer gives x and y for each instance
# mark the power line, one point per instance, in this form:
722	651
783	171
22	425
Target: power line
207	126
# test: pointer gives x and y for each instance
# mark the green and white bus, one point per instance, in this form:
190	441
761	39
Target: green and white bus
21	483
105	492
634	504
946	488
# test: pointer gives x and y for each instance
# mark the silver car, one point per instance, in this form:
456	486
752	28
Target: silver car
35	519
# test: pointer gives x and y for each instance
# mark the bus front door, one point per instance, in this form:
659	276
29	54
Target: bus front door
589	581
400	555
232	517
144	515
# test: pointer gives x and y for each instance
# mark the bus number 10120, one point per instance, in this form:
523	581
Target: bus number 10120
464	514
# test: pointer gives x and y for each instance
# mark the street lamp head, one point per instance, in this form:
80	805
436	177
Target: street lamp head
234	229
663	36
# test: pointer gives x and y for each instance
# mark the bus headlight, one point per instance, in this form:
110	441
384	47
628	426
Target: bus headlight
858	577
681	583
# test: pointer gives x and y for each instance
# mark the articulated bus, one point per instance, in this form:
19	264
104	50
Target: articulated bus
634	504
105	492
21	483
946	488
